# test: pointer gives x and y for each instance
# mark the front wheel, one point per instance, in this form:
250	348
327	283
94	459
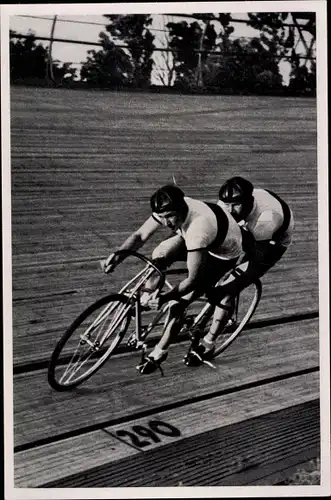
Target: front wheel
245	305
89	341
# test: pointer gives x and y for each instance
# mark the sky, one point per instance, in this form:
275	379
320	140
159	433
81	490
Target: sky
87	28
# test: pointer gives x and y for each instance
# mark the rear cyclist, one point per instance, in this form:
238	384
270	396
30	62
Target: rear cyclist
207	237
266	219
267	226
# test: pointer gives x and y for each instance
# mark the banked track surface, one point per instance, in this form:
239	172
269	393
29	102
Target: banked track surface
241	454
61	229
186	403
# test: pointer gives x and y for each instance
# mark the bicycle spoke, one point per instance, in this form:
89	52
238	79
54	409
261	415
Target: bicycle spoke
245	306
102	316
71	369
97	331
91	341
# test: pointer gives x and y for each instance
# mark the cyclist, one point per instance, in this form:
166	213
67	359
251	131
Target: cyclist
267	226
207	237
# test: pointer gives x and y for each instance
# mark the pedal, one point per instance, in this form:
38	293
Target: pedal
132	341
231	325
188	322
140	344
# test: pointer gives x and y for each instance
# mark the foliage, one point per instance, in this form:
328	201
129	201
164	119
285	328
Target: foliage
185	41
133	31
303	80
28	61
108	67
280	41
117	65
246	67
273	31
225	65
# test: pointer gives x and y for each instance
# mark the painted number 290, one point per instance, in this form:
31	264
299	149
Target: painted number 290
155	429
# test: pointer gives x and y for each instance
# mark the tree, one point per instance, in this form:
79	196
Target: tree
29	61
302	79
63	72
246	67
187	41
133	31
207	51
26	58
281	43
109	67
165	68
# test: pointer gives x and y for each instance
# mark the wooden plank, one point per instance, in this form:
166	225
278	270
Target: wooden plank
117	390
52	462
56	302
195	418
96	448
220	457
71	189
45	322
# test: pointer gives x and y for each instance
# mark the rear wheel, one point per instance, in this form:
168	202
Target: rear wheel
245	305
89	341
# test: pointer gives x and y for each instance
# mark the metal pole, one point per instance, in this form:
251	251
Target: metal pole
50	59
199	68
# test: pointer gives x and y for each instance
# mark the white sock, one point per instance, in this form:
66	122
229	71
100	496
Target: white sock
144	298
209	341
158	352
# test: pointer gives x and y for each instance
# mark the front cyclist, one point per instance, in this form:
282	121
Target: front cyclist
207	237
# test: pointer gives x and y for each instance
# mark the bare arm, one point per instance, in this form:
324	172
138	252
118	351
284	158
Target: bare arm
195	266
268	222
135	241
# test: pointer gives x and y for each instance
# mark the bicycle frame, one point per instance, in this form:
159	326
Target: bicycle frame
113	321
138	337
133	296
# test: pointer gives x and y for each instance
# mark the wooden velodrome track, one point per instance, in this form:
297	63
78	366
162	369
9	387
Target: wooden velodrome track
84	165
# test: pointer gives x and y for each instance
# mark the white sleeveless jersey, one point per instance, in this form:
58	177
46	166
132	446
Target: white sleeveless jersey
266	217
201	229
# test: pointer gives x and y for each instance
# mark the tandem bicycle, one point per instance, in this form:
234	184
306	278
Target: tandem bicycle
96	334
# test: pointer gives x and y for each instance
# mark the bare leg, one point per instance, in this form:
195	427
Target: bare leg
172	325
220	318
152	283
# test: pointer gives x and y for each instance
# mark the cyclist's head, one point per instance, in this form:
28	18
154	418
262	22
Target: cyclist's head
169	203
237	194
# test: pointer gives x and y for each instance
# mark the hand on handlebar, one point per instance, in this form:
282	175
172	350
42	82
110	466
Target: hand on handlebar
154	301
108	265
158	299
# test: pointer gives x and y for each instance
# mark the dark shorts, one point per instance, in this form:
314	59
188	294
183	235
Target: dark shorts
263	254
174	250
249	270
266	256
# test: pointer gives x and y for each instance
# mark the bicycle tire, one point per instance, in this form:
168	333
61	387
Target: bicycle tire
226	338
55	361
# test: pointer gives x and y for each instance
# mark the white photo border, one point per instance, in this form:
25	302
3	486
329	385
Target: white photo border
318	6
